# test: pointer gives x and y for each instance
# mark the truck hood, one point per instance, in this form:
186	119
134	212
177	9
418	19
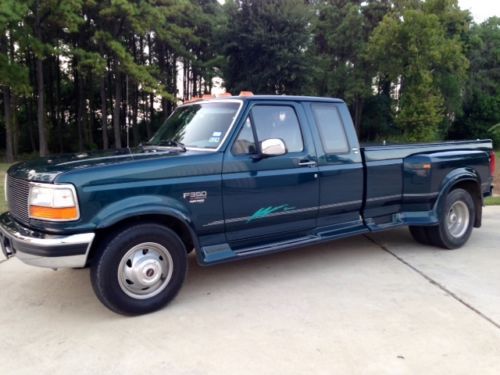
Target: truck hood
46	169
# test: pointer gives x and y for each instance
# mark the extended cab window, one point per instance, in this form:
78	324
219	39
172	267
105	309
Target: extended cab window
330	127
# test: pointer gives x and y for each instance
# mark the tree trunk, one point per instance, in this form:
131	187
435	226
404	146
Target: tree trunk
104	114
142	99
135	104
42	131
149	132
29	111
50	91
79	97
185	79
9	152
116	109
126	113
171	73
174	81
358	112
151	116
14	125
194	79
90	113
59	111
164	106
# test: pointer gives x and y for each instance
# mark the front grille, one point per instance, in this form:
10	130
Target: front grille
17	197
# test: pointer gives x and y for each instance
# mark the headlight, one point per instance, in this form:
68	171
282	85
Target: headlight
53	202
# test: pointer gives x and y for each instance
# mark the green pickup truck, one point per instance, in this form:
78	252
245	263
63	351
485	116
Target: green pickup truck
232	178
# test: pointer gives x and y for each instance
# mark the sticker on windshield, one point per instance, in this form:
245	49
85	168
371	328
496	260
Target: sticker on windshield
216	134
214	139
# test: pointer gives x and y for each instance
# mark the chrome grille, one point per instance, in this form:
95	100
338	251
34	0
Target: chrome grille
17	198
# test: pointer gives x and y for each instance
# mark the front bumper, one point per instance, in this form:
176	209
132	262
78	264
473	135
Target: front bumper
41	249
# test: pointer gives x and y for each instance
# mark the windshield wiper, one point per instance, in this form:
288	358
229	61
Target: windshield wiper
169	143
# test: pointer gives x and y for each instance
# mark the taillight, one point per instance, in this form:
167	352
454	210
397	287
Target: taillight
493	163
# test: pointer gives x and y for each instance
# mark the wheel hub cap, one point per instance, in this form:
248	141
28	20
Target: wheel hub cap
458	219
145	270
148	272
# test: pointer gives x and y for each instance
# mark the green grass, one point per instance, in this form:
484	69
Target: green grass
492	201
3	203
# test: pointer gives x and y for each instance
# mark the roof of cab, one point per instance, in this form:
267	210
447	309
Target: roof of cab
285	98
252	97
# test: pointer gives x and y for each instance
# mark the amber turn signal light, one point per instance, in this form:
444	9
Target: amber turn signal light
50	213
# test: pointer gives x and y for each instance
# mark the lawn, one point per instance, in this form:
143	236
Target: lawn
3	169
495	201
492	201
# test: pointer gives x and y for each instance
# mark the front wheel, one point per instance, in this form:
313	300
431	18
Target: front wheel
139	269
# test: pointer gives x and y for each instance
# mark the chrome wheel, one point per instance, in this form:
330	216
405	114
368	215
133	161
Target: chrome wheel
458	219
145	270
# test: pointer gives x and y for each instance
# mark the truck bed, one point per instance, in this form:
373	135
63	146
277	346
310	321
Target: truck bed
403	150
408	178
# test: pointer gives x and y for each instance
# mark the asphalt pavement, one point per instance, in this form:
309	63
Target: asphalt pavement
377	304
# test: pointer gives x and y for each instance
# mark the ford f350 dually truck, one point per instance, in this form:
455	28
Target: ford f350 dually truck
232	178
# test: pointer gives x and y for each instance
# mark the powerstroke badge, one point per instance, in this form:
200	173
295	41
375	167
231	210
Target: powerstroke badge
195	196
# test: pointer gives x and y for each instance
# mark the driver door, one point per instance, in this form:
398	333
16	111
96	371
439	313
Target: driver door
274	198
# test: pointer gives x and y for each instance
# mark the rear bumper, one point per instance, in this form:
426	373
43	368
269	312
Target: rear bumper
41	249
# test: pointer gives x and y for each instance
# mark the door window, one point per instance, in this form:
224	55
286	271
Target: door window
270	122
278	122
245	143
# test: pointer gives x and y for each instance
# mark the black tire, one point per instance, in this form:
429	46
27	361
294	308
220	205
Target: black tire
441	235
131	258
420	235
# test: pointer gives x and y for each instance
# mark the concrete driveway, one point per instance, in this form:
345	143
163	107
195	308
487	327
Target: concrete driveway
367	305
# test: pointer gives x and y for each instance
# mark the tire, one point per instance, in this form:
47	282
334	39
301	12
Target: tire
420	235
455	222
139	269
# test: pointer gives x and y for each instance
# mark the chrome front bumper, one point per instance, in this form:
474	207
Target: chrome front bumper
41	249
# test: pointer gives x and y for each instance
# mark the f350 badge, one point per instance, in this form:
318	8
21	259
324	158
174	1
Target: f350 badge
195	196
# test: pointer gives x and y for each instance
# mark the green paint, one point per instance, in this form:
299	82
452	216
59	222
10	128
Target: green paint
266	211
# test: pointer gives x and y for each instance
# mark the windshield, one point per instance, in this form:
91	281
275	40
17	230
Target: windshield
200	125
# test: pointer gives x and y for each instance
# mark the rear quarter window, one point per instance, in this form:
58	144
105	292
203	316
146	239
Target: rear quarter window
331	128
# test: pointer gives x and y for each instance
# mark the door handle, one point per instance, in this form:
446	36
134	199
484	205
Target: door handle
307	163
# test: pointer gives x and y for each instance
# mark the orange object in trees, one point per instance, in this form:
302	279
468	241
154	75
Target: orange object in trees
246	93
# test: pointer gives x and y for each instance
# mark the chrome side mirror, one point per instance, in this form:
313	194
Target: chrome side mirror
272	147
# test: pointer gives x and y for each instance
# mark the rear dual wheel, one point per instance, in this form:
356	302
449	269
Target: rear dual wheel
139	269
455	223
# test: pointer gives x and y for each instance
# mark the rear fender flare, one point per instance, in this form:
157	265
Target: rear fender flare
450	181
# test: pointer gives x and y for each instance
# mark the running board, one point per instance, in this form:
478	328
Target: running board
276	246
223	252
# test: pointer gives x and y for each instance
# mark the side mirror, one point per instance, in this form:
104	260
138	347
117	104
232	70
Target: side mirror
272	147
